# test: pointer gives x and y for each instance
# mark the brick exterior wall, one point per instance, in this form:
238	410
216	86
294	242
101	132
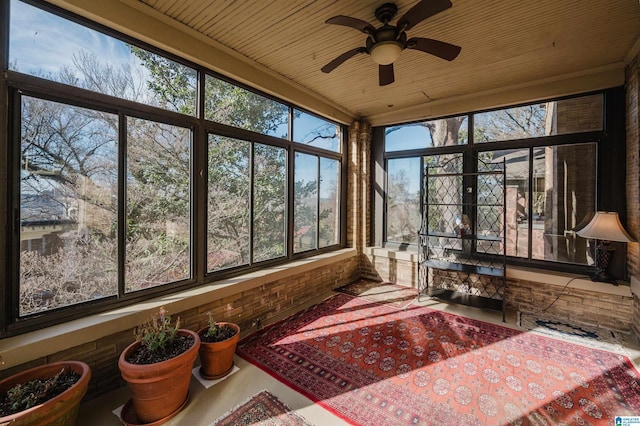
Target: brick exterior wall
579	114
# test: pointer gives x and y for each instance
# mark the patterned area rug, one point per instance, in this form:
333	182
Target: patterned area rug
596	337
261	409
372	364
384	292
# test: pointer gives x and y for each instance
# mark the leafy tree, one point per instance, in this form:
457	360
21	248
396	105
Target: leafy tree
229	185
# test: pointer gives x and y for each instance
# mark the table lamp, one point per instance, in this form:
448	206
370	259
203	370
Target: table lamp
605	227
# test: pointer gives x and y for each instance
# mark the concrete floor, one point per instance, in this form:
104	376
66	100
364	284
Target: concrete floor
205	405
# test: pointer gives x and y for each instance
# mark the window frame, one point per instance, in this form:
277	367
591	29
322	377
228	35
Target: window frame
15	84
610	167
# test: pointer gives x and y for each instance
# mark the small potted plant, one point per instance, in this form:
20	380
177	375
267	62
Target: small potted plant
219	341
47	395
157	367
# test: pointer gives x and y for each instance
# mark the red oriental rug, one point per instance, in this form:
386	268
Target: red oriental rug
261	409
373	364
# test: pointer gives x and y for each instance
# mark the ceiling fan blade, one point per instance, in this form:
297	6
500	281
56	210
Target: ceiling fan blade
435	47
340	59
421	11
386	74
348	21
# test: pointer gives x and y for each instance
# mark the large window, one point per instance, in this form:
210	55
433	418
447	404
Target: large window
68	205
403	199
305	215
157	221
269	205
551	154
127	185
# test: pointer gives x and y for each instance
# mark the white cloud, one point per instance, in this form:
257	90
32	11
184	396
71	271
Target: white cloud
41	42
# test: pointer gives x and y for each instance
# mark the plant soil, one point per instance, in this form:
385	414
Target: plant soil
35	392
223	333
172	349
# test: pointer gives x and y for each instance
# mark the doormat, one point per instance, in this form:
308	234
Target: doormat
596	337
261	409
372	364
382	292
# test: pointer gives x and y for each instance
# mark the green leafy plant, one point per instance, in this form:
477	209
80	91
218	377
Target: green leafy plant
157	332
216	332
34	392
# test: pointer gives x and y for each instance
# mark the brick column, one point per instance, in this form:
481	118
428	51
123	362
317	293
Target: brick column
633	183
633	163
359	184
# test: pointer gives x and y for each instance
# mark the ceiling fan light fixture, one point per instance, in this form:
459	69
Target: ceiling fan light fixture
386	52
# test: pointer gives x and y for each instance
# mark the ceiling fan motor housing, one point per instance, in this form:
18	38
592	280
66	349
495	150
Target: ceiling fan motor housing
386	12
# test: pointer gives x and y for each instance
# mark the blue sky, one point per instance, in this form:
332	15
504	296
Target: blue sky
41	42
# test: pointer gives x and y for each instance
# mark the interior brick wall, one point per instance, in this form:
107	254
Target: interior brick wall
391	269
632	89
244	308
635	318
575	305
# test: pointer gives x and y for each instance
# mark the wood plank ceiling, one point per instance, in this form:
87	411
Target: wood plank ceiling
504	44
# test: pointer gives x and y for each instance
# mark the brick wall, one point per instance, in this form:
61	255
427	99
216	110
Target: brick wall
632	88
264	303
576	305
579	114
633	163
635	318
396	267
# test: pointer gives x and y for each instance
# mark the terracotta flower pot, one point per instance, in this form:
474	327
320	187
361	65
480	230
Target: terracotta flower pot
160	390
216	358
61	410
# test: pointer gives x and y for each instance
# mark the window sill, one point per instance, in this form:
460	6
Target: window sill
28	347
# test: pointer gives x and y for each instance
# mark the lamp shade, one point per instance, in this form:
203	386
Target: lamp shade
386	52
605	226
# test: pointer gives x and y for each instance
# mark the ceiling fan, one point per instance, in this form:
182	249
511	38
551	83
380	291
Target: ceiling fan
385	43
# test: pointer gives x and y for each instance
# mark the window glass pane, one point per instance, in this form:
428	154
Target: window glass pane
516	202
329	202
564	200
314	131
229	104
403	200
445	196
426	134
48	46
158	204
228	214
269	204
574	115
305	198
68	205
